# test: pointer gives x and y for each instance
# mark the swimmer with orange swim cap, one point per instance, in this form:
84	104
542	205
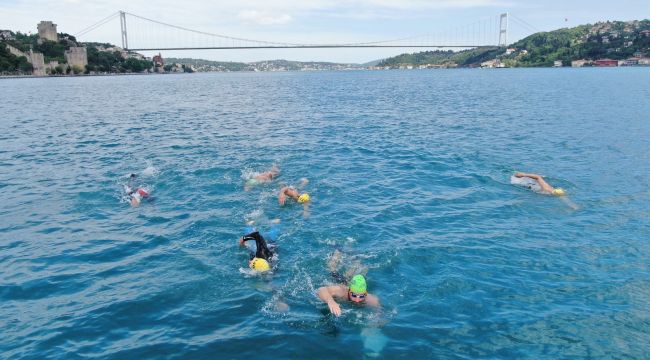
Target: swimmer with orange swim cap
135	194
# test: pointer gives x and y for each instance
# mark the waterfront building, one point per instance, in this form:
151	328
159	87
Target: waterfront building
605	63
580	63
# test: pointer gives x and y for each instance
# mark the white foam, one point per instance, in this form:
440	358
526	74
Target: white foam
526	182
150	171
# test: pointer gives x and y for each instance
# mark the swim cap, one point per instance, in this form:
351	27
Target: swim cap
259	264
559	192
143	192
303	198
358	284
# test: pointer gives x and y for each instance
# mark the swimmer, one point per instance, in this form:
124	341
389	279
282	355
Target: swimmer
354	291
543	187
260	260
135	194
294	194
301	198
538	184
260	178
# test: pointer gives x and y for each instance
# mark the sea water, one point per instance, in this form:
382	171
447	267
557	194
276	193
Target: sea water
409	176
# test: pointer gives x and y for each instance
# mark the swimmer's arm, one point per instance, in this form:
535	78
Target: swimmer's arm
540	180
544	185
282	197
530	175
327	293
373	301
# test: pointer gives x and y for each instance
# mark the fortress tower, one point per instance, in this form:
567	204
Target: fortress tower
47	31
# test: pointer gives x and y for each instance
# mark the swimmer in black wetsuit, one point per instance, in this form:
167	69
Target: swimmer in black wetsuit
260	260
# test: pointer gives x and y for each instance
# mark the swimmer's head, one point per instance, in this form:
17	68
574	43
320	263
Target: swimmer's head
303	198
358	288
558	192
259	264
142	192
133	176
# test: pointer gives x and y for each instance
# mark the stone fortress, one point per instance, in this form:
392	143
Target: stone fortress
47	31
74	56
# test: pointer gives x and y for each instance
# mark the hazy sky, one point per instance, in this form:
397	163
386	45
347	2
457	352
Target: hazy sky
314	21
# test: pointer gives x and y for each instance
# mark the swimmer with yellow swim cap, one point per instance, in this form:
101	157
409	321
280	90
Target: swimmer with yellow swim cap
294	194
544	186
260	260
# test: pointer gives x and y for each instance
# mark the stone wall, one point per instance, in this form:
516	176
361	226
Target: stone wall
77	56
38	62
16	52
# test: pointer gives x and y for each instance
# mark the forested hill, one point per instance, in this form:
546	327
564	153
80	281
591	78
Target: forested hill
615	40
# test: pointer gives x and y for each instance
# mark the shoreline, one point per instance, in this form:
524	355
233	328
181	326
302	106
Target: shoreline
3	77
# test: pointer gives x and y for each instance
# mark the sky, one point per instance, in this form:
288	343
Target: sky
423	22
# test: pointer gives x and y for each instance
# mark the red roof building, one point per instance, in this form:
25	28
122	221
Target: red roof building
158	60
605	62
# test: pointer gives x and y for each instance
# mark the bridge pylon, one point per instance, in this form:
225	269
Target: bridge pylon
503	30
125	40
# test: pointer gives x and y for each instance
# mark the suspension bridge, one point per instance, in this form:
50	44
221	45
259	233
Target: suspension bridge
139	33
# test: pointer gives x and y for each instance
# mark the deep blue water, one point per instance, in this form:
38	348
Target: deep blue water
409	176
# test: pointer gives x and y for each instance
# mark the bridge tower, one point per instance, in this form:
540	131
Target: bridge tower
125	40
503	30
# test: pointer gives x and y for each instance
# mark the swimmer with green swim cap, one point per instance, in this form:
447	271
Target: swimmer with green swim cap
356	291
261	178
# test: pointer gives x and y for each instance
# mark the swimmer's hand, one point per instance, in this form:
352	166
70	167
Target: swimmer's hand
282	198
241	241
334	308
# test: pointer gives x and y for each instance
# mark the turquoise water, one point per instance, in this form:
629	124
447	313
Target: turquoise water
409	176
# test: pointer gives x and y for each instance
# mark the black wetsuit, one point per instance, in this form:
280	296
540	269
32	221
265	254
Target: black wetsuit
263	251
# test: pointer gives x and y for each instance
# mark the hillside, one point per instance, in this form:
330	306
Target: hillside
268	65
615	40
102	58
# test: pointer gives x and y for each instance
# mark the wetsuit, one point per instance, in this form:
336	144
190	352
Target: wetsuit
263	251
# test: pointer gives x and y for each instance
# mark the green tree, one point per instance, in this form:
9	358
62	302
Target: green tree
24	65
